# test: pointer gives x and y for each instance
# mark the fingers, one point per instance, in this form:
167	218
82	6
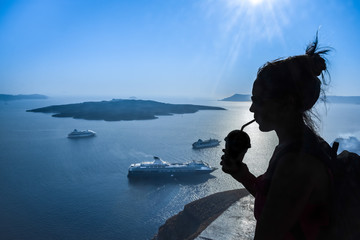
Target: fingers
230	170
227	165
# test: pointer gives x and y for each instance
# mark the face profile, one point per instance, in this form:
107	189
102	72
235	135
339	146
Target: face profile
266	110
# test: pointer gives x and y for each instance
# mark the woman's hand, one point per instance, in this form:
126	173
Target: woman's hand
232	165
239	170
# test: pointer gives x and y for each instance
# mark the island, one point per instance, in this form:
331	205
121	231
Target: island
344	99
121	109
9	97
238	98
331	99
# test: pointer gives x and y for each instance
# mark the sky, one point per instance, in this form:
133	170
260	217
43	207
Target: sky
175	48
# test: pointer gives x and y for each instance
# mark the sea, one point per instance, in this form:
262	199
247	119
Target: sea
53	187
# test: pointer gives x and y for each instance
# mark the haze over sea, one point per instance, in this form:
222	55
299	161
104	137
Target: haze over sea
53	187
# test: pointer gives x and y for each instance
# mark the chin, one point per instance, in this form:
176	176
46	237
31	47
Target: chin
263	128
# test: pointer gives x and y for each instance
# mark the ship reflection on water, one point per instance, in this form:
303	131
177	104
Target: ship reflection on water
160	180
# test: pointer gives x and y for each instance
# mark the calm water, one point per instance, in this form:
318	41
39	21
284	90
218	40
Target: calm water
52	187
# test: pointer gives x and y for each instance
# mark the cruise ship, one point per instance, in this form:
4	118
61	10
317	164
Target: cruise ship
205	144
81	133
158	167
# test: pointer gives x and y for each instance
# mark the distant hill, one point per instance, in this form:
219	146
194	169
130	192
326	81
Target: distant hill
344	99
330	99
120	109
238	98
8	97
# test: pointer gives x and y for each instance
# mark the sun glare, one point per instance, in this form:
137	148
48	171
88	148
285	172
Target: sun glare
245	23
256	2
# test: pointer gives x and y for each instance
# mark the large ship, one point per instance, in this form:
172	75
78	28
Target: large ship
159	167
81	133
205	144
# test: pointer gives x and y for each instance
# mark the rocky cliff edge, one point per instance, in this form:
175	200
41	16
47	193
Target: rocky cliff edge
197	215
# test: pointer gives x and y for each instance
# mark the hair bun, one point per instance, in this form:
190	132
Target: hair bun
318	64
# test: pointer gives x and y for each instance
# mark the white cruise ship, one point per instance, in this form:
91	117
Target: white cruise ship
158	167
205	144
81	133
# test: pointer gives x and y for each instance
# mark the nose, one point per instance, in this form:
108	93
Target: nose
251	109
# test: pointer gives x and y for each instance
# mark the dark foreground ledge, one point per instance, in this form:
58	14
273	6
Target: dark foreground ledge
197	215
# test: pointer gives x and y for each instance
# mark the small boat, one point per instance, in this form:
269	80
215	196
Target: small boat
81	133
158	167
205	144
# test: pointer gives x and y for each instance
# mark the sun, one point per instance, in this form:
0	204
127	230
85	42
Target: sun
246	23
256	2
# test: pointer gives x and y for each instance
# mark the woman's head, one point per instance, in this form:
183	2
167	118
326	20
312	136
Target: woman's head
293	83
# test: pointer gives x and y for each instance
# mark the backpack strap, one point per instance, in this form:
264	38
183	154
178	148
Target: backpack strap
335	148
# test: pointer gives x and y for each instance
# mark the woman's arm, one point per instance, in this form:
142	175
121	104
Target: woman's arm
293	183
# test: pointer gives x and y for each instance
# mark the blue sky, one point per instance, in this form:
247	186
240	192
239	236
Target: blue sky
180	48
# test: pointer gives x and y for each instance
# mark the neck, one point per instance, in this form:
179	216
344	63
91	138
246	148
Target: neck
290	131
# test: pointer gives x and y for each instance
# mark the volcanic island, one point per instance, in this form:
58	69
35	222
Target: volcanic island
121	110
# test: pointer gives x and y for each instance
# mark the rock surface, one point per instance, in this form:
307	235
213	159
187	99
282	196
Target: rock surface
236	222
197	215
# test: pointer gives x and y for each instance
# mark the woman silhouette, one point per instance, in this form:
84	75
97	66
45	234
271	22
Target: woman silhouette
293	196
